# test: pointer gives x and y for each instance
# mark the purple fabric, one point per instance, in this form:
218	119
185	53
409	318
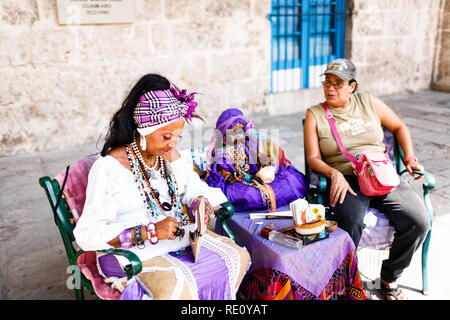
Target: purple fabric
289	185
378	233
110	267
229	118
209	263
132	291
312	266
210	272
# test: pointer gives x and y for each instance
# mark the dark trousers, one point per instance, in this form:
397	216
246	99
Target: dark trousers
406	213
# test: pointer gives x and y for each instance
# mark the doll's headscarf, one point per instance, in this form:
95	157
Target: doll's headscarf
227	119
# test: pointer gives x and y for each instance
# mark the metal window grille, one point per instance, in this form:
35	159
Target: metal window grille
306	35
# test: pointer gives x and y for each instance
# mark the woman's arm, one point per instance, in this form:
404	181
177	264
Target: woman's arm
164	230
313	155
339	185
393	123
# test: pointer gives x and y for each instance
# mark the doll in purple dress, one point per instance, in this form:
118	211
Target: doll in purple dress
252	171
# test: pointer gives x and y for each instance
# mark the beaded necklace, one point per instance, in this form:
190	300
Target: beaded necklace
150	195
148	169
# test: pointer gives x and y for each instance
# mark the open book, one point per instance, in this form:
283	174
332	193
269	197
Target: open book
196	236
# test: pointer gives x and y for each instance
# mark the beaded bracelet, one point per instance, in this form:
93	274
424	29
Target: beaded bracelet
138	237
125	239
151	229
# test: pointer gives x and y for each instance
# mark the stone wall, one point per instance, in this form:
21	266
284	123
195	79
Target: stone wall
441	79
59	85
393	43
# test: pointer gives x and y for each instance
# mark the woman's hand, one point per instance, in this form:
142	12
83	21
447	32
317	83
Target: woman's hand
339	188
414	165
166	228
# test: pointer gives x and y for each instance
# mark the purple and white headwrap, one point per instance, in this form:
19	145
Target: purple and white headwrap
157	109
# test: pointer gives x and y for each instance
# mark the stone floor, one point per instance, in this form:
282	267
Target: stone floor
33	264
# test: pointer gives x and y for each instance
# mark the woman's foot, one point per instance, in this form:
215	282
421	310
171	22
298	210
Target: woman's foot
391	291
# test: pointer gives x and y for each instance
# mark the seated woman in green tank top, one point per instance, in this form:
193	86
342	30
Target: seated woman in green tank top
358	117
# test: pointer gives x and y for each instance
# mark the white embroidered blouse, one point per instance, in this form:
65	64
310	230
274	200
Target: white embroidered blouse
114	203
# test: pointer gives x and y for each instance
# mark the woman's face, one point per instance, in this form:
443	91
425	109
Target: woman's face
338	93
165	139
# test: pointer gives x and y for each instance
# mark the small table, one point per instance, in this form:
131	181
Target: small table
313	268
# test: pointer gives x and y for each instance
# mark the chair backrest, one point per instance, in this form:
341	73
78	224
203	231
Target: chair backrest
75	187
67	214
70	207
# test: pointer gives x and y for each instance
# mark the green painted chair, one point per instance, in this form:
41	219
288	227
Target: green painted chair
80	262
378	233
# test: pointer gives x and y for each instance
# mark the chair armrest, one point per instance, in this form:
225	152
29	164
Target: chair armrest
320	190
428	185
430	181
132	269
322	184
225	212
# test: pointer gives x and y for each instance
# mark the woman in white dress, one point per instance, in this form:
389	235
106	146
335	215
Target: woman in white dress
135	197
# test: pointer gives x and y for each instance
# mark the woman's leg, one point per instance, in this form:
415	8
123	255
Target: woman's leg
407	214
350	213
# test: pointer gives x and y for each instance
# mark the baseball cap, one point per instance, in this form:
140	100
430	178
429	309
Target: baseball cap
342	68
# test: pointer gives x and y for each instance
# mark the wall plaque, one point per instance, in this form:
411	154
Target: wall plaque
95	11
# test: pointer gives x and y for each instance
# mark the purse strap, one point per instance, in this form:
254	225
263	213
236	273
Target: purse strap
336	134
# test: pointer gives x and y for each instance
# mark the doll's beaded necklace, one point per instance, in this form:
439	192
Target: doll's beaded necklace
142	173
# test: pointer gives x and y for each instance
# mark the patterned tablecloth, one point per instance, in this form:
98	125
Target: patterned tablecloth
311	267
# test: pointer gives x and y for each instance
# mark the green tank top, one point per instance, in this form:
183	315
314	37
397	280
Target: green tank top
359	128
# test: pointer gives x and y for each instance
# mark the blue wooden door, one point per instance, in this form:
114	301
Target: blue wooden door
306	35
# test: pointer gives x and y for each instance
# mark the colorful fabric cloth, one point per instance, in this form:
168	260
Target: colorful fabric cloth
311	267
270	284
243	160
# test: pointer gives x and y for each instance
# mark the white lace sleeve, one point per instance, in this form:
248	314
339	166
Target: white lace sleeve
97	225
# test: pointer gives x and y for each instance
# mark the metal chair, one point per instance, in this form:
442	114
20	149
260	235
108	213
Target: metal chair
69	188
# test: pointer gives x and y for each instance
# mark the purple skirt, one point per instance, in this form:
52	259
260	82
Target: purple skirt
209	287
